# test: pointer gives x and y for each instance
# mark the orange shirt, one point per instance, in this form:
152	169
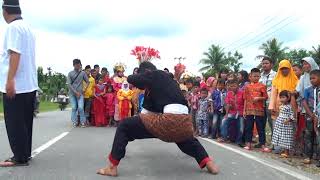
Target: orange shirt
251	91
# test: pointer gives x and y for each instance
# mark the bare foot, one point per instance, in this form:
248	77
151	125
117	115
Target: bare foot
108	171
212	168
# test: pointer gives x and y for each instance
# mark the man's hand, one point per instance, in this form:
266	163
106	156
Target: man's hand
78	94
10	89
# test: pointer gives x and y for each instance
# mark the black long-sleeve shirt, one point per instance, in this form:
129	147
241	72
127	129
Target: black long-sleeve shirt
160	90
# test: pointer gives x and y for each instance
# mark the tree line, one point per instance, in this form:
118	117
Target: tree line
216	59
51	82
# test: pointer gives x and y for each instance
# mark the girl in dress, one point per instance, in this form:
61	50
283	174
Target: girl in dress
283	133
124	96
99	103
110	100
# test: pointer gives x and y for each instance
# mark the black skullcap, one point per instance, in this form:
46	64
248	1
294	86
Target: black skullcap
11	6
146	66
11	3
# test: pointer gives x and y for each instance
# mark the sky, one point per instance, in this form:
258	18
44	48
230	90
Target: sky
104	32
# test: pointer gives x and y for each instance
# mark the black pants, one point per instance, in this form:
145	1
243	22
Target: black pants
260	123
133	128
18	115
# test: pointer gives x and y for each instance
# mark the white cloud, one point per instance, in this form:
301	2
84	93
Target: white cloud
198	23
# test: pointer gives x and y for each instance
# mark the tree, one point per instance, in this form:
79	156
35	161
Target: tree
273	49
296	55
51	82
233	61
214	60
315	53
217	60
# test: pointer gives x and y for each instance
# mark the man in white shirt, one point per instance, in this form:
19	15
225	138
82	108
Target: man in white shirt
18	83
266	78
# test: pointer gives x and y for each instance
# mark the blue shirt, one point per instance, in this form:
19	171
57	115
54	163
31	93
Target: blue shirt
218	98
309	97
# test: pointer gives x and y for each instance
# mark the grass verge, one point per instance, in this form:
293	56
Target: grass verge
45	106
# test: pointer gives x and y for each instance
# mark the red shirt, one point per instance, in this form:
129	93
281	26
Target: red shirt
236	102
251	91
107	80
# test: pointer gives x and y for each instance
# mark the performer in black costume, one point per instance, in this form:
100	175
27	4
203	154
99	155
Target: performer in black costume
165	116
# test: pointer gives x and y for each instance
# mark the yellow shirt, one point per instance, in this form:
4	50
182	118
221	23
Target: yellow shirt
89	91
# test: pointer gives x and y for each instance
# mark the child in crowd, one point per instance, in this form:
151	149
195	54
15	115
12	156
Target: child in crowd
202	113
189	84
99	104
297	68
308	64
311	103
88	94
243	78
193	103
218	98
110	100
185	93
255	95
234	112
124	96
223	74
284	127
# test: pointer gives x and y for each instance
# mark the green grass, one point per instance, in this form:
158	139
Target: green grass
45	106
1	107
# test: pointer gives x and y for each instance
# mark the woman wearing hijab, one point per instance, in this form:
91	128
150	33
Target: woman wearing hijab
124	96
285	79
211	84
308	64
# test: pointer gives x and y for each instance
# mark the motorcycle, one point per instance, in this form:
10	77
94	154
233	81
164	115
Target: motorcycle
62	100
37	103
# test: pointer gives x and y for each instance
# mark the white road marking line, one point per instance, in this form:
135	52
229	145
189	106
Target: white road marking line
48	144
266	163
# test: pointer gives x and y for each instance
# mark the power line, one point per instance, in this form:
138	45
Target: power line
270	33
245	36
261	34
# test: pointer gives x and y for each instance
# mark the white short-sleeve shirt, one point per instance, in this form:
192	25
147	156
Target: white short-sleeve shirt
20	39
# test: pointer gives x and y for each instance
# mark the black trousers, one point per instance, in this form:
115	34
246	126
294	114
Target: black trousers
132	128
261	127
18	115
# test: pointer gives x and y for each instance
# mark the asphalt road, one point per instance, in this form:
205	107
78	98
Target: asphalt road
81	152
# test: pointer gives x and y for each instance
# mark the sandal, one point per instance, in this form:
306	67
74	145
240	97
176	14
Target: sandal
11	162
247	148
307	161
266	150
284	155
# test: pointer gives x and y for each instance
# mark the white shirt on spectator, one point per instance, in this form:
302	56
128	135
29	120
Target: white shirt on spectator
20	39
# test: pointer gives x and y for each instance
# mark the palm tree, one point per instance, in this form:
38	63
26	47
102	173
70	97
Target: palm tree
316	53
214	60
233	61
273	49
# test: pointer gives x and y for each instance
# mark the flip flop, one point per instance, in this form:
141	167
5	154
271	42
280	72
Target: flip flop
266	150
285	156
11	162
